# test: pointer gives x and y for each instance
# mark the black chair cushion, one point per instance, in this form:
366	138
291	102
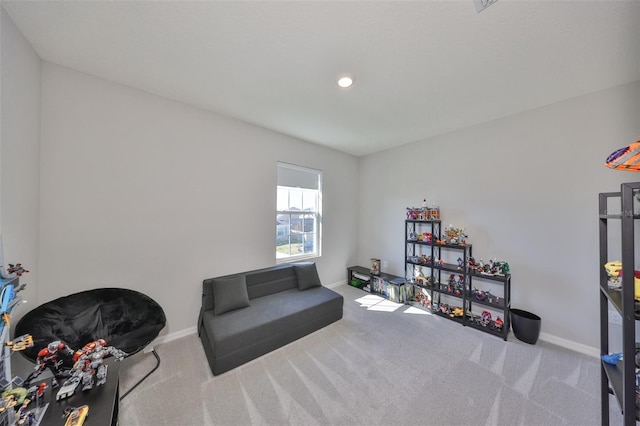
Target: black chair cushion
126	319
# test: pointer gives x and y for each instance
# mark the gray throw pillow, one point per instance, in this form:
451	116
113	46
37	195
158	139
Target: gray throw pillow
307	275
230	294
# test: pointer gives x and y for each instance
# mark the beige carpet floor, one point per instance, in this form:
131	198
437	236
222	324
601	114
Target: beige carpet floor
382	364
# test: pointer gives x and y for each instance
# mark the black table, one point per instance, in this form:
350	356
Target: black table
102	401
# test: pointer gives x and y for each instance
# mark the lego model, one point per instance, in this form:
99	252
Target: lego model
498	324
614	274
17	269
423	213
455	235
20	343
89	367
76	415
473	265
53	356
456	312
485	318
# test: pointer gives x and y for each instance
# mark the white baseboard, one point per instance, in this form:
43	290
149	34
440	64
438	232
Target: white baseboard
339	283
175	335
568	344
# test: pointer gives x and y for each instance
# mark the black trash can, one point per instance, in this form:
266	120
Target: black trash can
525	325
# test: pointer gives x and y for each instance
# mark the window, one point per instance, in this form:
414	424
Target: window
298	213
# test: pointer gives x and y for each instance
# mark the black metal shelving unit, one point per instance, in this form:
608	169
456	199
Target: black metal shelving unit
438	285
620	379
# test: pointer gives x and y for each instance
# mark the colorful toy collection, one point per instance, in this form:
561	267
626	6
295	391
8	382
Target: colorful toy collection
456	283
24	404
424	212
493	267
89	368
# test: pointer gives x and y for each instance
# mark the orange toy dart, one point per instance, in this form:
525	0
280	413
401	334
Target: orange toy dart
627	158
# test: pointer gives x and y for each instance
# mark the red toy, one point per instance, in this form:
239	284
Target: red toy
53	357
89	367
16	269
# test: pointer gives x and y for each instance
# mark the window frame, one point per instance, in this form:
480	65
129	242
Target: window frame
316	214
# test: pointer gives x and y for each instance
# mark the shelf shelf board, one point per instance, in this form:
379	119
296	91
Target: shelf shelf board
619	216
490	328
447	316
497	306
446	245
423	221
447	293
615	297
614	373
500	278
449	267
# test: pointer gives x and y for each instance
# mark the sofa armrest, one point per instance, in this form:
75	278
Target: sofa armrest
207	300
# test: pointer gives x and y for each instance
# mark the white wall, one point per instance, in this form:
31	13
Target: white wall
526	190
19	154
153	195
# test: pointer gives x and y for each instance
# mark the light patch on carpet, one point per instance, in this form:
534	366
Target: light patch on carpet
498	366
316	393
416	311
285	403
290	406
475	356
377	303
495	410
385	306
369	300
525	382
574	377
255	417
205	413
338	381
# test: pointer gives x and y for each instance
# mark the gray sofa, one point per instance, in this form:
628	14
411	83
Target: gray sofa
244	316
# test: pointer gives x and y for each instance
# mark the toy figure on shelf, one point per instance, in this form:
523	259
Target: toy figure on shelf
56	356
20	343
456	312
460	264
485	318
89	366
498	324
614	274
455	235
37	393
473	266
17	269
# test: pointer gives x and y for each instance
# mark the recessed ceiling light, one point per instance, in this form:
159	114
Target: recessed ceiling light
345	80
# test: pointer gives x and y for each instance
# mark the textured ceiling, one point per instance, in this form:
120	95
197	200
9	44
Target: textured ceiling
422	68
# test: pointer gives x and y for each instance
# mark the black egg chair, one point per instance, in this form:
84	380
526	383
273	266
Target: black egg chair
126	319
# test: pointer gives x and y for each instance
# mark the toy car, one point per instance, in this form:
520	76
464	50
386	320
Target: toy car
456	312
76	416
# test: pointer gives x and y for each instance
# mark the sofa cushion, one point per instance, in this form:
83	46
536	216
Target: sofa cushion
307	275
230	294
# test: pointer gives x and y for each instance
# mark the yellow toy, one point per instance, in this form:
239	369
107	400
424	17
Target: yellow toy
77	415
614	272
